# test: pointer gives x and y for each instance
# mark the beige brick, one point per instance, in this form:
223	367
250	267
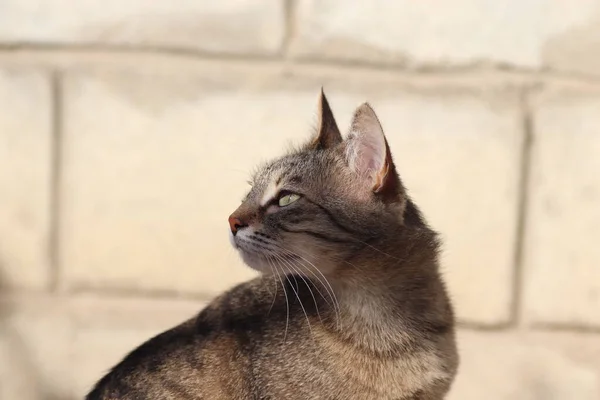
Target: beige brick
562	252
16	379
230	26
59	347
456	32
34	344
153	167
576	48
25	158
527	366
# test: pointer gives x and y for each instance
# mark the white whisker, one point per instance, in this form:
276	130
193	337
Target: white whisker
287	303
291	265
299	299
376	249
325	284
275	295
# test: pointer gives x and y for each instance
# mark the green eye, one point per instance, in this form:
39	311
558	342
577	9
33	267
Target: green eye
288	199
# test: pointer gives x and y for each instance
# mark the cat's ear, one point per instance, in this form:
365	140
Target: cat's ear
368	154
328	134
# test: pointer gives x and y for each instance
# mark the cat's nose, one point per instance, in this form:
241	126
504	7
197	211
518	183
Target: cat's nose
235	224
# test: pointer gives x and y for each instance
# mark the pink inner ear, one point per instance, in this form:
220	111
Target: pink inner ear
366	155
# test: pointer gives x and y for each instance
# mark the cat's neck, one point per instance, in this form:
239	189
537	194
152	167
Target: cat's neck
389	291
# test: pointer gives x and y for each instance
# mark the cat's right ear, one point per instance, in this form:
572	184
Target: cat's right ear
328	134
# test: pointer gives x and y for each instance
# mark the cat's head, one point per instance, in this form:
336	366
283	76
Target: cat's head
311	209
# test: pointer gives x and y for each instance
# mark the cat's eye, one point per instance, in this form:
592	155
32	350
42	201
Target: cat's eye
288	199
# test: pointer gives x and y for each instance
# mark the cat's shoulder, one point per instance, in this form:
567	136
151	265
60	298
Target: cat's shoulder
228	317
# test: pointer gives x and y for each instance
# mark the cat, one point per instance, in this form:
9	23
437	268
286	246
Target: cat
350	303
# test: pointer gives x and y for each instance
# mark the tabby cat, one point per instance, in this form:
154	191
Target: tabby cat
350	303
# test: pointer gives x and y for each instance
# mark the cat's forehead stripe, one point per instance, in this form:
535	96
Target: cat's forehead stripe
270	192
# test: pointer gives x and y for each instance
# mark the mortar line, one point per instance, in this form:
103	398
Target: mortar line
142	49
522	206
102	294
143	294
565	327
481	327
55	180
202	55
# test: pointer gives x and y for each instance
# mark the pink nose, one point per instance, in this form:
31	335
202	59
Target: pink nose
235	224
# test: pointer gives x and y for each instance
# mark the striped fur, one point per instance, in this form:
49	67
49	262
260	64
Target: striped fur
350	304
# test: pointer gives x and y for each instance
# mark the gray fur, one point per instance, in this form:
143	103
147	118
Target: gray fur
351	304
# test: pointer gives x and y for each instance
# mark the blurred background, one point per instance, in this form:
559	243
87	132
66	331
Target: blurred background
128	129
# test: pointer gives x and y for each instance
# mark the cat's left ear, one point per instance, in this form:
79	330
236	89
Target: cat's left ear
328	134
368	154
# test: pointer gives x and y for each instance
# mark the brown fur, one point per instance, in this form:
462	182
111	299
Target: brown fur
351	304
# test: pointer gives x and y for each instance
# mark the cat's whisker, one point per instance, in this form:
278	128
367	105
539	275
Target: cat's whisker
268	288
287	303
358	269
275	295
331	304
333	296
293	267
342	260
376	249
299	299
301	264
332	293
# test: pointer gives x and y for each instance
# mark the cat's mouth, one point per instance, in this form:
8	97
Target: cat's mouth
256	255
263	256
260	261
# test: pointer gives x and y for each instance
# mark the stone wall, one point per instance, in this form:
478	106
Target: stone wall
128	129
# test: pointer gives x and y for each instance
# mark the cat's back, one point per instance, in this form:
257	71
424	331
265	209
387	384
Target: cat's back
206	351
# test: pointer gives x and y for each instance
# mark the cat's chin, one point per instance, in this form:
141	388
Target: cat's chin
255	261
